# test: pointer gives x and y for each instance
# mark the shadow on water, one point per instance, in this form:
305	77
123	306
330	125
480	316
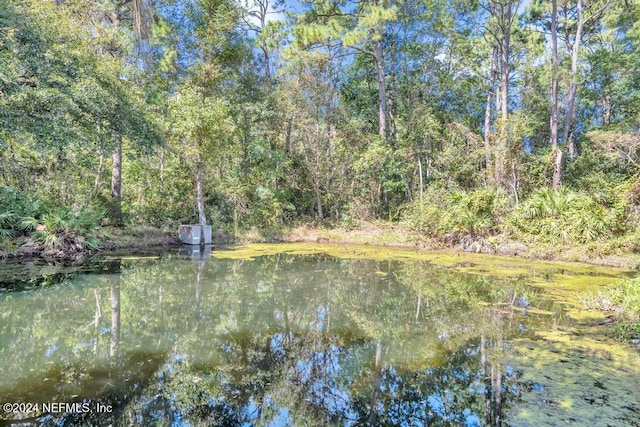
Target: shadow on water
24	276
109	387
305	340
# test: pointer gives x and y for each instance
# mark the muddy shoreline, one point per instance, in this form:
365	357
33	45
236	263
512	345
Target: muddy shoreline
75	253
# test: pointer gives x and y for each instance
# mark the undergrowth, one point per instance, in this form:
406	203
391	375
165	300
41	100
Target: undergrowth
475	212
622	304
560	217
565	217
27	217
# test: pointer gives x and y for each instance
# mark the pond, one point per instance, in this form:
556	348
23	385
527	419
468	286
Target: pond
299	334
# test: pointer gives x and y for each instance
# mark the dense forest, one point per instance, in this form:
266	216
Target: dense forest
450	117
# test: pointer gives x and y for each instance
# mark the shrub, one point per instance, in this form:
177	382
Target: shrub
267	210
68	228
15	207
564	216
475	212
622	302
425	216
54	227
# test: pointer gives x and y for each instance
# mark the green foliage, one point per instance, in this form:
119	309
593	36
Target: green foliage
563	216
557	217
460	158
77	78
444	211
267	211
621	301
379	182
48	224
476	212
64	101
198	120
16	212
328	21
65	228
57	91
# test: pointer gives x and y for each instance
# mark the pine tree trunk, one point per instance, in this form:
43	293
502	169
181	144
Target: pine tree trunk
505	16
200	199
487	112
267	66
116	183
316	188
504	77
555	150
574	84
199	193
382	102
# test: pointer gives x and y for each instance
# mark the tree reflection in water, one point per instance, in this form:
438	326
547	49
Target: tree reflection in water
282	340
320	345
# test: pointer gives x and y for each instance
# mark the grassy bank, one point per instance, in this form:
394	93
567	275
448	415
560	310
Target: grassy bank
621	306
383	233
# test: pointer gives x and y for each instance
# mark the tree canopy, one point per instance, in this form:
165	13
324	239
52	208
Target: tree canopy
322	110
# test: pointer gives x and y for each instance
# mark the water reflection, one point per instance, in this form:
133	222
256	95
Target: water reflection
281	340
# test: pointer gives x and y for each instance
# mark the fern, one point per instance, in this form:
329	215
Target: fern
474	212
92	242
29	223
7	218
564	216
7	233
51	240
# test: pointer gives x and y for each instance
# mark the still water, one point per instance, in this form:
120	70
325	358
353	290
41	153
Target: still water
280	335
